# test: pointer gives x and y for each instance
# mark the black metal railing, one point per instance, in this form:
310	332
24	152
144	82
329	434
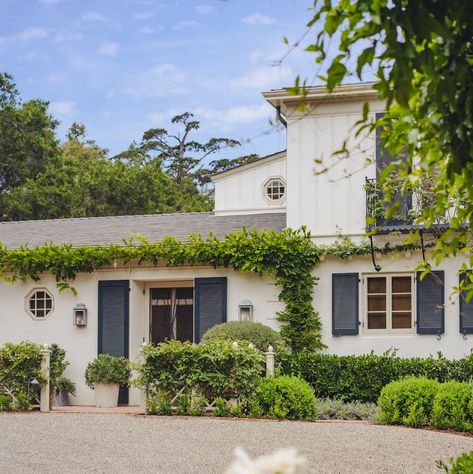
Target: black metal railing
398	212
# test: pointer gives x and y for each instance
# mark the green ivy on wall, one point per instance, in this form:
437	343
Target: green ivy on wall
290	256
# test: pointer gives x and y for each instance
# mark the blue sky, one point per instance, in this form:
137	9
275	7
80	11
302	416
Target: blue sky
124	66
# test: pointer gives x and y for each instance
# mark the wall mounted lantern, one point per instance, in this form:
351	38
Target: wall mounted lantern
245	310
79	314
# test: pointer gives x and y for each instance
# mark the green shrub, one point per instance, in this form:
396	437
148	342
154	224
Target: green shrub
6	403
408	401
361	378
217	369
57	366
451	408
258	334
183	404
107	369
158	402
284	397
221	407
198	405
461	465
19	364
22	402
338	410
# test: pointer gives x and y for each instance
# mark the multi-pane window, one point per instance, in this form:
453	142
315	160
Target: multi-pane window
275	189
39	304
389	303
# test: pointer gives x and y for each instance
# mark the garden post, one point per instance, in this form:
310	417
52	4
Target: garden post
44	396
270	361
143	389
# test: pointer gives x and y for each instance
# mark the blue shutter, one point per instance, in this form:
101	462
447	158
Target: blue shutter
430	303
210	304
466	309
345	303
113	322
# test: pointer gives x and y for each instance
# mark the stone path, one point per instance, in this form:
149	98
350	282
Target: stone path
118	443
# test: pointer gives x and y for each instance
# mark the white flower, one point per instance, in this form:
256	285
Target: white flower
284	461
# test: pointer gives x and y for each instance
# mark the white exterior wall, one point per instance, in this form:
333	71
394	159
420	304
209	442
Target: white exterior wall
241	191
80	343
451	343
333	202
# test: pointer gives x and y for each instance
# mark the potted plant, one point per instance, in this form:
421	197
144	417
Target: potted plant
104	375
60	386
61	389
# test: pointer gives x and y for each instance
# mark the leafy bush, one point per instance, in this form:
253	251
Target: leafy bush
284	397
461	465
258	334
453	405
107	369
337	410
198	405
216	369
361	378
57	366
19	364
221	407
408	401
158	402
183	404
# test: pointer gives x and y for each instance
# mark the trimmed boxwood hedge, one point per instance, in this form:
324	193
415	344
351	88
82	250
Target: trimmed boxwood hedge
361	378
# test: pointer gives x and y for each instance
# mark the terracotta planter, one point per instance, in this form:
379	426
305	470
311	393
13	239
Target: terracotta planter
106	395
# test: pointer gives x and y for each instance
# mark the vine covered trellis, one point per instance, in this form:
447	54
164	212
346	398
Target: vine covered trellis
290	256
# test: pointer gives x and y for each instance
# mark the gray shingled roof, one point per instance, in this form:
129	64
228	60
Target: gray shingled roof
100	230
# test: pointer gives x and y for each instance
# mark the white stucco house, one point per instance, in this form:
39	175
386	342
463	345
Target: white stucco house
361	309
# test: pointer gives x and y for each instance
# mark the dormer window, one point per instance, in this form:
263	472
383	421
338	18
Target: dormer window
275	190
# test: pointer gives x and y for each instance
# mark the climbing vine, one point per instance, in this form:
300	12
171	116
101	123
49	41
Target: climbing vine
289	256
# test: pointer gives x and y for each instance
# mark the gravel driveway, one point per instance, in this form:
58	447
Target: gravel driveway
72	443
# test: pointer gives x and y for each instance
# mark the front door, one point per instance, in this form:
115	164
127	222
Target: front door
172	314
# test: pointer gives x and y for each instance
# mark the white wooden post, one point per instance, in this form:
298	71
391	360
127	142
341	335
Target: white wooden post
143	390
44	396
270	361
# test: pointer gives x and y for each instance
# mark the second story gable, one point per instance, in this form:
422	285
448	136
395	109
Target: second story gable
325	191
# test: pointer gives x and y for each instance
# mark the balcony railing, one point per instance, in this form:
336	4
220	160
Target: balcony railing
401	212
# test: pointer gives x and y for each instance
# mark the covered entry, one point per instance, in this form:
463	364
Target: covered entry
184	310
172	314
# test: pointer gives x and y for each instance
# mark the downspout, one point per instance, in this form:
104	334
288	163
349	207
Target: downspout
279	116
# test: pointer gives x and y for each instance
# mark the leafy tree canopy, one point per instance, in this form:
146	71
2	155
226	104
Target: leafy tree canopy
41	178
421	52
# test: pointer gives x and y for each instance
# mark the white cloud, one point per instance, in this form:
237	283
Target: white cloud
53	2
32	34
148	30
93	16
262	78
222	119
108	48
185	25
143	15
258	19
63	108
204	8
161	81
67	36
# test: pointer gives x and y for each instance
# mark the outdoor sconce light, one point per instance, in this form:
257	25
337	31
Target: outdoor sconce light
245	310
79	315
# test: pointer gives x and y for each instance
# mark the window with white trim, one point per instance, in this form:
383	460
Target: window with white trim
389	303
274	190
39	304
